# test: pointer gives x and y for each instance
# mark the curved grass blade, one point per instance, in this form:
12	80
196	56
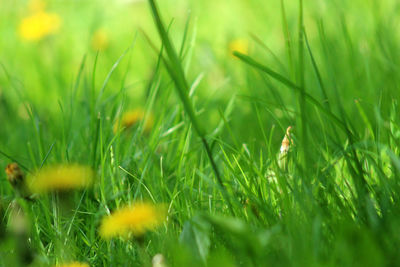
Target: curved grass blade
291	85
175	70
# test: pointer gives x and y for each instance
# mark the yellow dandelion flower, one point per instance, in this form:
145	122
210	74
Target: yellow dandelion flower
74	264
38	25
100	40
133	220
60	178
239	45
133	117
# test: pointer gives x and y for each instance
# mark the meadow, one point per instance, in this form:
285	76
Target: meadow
199	133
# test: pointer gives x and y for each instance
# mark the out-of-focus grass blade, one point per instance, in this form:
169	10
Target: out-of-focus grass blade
175	69
317	72
287	37
175	66
113	68
289	84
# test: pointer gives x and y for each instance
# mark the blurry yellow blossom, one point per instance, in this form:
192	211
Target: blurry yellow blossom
38	25
100	40
134	220
60	178
130	118
74	264
239	45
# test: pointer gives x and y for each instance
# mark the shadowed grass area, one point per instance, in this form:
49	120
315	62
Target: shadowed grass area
189	111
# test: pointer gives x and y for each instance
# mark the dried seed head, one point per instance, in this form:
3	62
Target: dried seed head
16	178
287	140
14	174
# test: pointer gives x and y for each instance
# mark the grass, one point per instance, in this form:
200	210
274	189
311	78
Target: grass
212	154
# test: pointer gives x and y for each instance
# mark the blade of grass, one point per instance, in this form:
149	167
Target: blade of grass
302	98
317	72
288	42
177	74
291	85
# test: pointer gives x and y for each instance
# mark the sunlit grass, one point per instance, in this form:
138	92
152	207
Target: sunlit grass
270	133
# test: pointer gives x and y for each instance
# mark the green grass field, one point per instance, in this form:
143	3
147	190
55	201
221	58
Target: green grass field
184	105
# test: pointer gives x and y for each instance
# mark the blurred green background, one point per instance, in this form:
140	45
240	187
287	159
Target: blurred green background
47	67
44	71
54	108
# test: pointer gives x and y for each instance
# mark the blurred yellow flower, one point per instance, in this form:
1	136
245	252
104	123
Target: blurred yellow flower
100	40
60	178
74	264
239	45
134	220
38	25
131	118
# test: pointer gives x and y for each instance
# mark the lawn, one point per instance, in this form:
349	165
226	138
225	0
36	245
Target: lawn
199	133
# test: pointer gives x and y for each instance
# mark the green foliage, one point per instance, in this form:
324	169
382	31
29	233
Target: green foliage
211	155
